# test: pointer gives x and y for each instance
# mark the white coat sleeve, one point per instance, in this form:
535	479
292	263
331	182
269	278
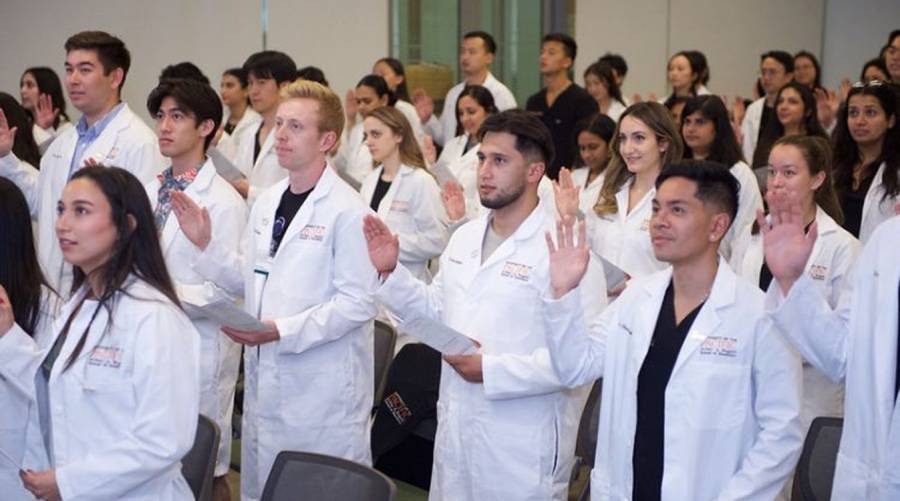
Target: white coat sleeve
26	177
166	378
509	375
144	161
749	130
20	358
821	334
350	307
505	99
227	231
431	229
577	357
777	387
407	297
435	129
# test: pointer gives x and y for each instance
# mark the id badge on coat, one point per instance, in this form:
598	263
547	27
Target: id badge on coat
260	278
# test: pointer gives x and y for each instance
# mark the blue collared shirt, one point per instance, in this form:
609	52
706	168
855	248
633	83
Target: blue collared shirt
87	136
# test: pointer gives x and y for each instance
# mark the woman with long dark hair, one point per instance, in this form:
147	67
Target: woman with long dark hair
394	74
33	304
867	156
353	159
24	147
42	95
708	135
600	83
117	385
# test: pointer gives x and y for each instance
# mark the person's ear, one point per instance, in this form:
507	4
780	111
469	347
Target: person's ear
818	180
719	228
118	76
536	171
132	223
206	128
328	140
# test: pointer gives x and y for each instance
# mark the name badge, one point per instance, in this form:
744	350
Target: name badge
312	232
818	272
399	206
645	224
106	356
516	271
719	346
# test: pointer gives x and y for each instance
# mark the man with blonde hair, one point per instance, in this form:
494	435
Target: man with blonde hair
305	273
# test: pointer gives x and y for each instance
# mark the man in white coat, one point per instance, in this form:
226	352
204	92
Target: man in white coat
108	133
506	426
309	376
776	69
475	57
187	115
856	342
701	398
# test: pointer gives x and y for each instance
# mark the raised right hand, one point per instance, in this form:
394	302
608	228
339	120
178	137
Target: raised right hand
424	104
568	258
787	247
350	107
428	150
567	195
383	246
193	220
7	135
454	201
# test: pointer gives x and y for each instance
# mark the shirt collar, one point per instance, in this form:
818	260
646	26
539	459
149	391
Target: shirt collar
93	131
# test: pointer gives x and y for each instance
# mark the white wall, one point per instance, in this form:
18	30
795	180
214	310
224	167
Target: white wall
854	33
339	36
732	34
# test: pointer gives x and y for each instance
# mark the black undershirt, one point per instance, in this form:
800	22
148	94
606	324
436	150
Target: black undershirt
853	201
288	207
229	127
381	190
647	460
257	146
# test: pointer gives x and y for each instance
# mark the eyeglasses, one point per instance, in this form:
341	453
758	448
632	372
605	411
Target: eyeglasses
870	83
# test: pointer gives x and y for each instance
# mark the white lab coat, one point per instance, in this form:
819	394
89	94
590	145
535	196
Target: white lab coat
231	144
413	210
829	267
615	110
126	142
749	201
43	137
732	408
312	389
20	436
513	436
220	356
623	238
589	192
122	417
750	127
353	158
876	209
857	343
266	170
444	129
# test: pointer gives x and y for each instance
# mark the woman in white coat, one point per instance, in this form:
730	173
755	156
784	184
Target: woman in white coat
593	139
646	140
688	74
799	170
394	74
116	386
239	117
403	193
34	304
708	135
42	95
600	83
867	157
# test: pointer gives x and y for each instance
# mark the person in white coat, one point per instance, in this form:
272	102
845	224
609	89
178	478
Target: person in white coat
394	75
646	140
42	95
708	135
776	70
506	428
799	170
701	396
600	83
857	343
867	157
34	306
593	138
187	116
108	133
476	54
402	192
303	271
688	74
239	116
268	72
116	384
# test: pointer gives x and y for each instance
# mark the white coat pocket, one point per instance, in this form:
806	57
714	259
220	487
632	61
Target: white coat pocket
720	394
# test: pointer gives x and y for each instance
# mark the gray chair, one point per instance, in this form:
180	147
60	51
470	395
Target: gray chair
385	341
815	472
304	475
199	464
586	441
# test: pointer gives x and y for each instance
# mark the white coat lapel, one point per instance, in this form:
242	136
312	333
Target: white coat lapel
195	190
707	320
646	316
264	150
388	201
105	148
825	226
525	230
303	216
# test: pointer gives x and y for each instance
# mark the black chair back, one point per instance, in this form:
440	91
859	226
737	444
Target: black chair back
304	475
199	464
815	472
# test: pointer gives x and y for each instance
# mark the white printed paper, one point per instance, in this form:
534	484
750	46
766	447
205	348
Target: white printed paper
224	166
200	301
438	336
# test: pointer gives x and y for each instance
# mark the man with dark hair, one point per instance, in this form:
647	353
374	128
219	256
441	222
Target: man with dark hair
700	391
776	70
892	56
313	74
506	428
108	133
188	113
561	103
267	73
184	69
618	65
475	57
